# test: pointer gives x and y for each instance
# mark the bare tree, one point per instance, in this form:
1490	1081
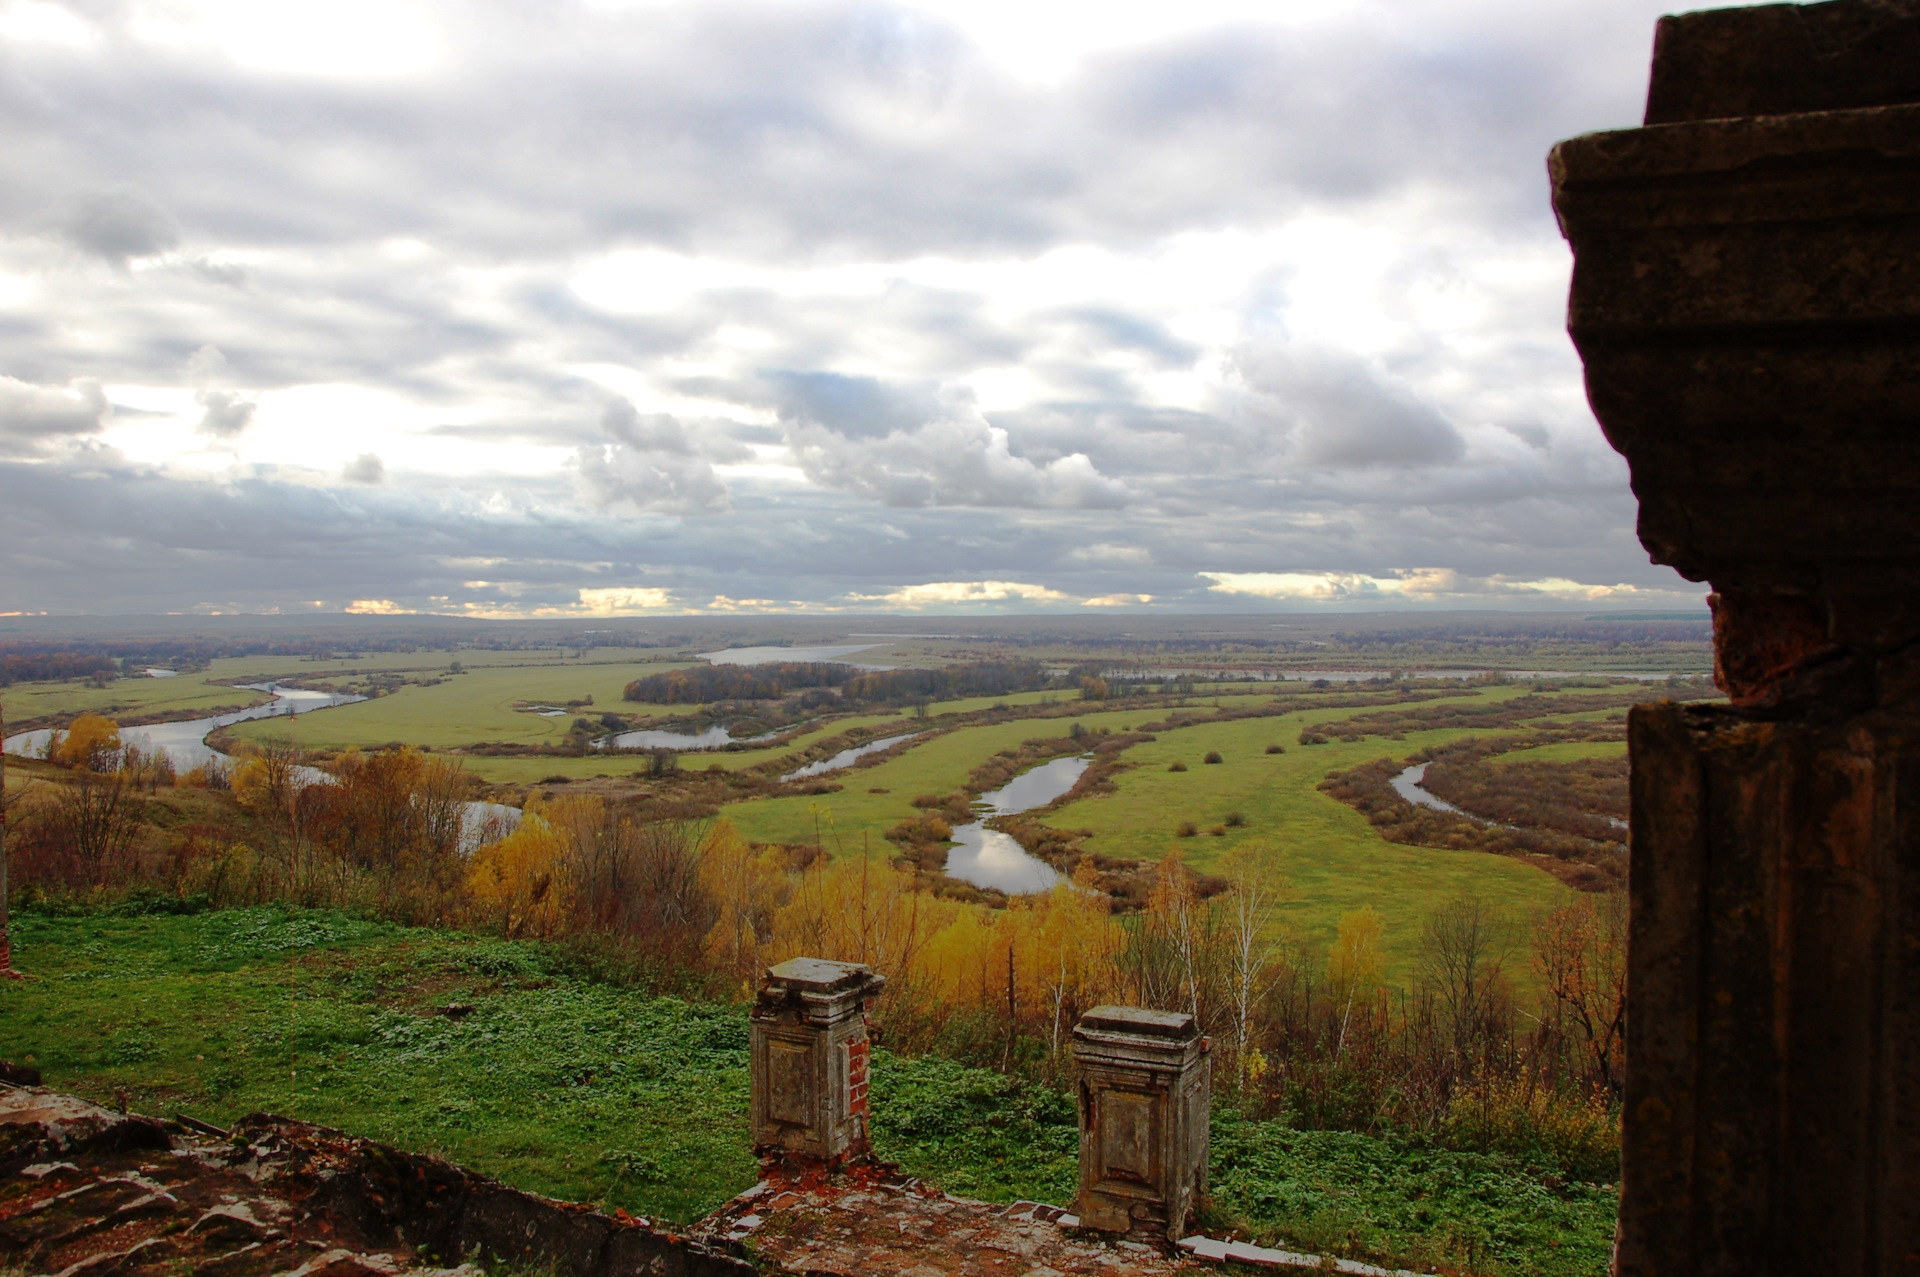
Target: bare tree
1253	952
95	816
1461	957
1580	951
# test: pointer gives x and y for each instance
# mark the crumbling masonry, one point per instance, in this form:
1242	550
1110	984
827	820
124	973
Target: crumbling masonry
1746	298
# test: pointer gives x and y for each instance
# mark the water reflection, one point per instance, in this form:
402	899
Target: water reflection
712	738
847	757
185	742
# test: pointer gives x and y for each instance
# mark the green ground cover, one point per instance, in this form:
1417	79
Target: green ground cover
593	1092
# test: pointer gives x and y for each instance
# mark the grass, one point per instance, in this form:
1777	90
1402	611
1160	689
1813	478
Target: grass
596	1093
577	1090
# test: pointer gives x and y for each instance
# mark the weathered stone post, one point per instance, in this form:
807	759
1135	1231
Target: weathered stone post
809	1048
1144	1079
1746	299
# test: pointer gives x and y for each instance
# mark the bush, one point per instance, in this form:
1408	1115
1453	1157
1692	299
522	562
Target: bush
1276	748
1185	829
1176	766
1218	831
1235	820
1213	756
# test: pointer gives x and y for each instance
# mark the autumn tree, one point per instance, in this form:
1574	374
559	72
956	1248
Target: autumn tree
90	741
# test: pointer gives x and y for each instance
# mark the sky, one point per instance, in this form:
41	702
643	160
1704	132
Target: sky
622	307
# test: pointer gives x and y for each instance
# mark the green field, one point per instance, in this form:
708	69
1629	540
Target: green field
1330	860
185	696
470	708
594	1092
938	766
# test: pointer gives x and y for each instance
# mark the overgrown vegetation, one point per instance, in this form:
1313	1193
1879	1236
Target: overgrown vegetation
563	1083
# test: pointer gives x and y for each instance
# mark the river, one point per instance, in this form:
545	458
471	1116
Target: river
988	858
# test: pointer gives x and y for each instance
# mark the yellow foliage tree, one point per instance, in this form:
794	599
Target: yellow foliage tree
1357	966
746	887
90	741
520	881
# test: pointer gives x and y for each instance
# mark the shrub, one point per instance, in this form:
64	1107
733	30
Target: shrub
1218	831
1213	756
1276	748
1235	820
1176	766
1185	829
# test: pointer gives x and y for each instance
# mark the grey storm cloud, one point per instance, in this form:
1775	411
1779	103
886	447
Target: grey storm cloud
421	236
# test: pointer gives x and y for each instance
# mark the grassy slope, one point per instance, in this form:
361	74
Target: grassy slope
595	1093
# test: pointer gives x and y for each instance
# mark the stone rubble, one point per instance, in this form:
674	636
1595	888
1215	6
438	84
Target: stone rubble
87	1192
870	1219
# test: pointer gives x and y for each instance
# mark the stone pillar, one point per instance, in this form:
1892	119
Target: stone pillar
1746	300
809	1048
1144	1091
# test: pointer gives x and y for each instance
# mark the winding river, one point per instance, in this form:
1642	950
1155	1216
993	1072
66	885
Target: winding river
988	858
186	743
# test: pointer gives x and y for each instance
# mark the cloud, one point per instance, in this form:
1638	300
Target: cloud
32	417
227	414
1336	410
1416	584
962	593
118	224
657	462
957	461
1117	600
367	468
872	307
619	600
856	407
375	607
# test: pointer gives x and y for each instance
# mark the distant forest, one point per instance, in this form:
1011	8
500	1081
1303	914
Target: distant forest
700	685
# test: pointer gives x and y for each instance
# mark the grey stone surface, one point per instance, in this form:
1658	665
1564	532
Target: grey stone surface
1144	1079
809	1060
